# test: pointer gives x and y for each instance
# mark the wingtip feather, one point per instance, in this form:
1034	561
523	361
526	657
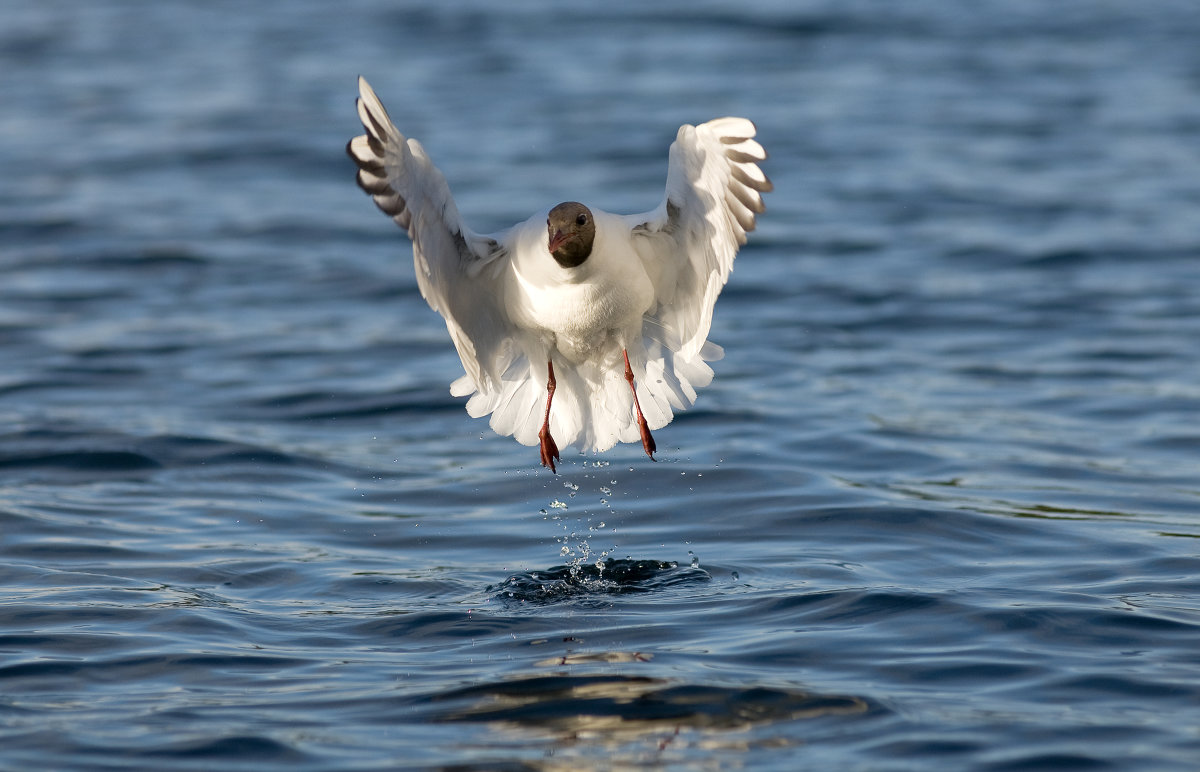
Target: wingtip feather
732	129
365	90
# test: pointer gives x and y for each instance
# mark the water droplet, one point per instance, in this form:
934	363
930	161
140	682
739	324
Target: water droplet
735	576
556	504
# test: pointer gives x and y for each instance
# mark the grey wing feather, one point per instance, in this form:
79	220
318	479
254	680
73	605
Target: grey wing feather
449	258
688	244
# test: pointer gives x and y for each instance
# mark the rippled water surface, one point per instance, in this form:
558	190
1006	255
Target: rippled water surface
939	509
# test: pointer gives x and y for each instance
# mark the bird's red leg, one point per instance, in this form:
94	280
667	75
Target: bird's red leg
549	449
643	428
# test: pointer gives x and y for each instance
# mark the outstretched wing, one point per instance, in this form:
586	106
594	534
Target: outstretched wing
714	191
450	259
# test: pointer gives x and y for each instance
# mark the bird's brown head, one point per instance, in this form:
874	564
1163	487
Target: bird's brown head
571	232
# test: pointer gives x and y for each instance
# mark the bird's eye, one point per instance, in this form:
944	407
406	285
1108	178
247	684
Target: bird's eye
581	219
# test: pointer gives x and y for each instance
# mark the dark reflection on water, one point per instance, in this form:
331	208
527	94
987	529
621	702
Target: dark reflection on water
629	715
938	509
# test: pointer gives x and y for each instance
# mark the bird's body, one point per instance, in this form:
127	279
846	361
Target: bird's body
623	303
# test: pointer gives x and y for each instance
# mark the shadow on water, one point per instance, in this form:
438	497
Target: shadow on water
589	581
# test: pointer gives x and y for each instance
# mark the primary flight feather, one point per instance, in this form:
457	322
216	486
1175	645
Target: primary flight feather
576	326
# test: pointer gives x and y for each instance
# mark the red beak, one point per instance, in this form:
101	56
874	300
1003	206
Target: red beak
558	239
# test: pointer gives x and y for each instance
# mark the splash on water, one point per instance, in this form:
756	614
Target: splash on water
575	542
589	581
586	571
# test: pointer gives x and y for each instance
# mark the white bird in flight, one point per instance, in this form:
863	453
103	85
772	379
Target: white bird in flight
622	304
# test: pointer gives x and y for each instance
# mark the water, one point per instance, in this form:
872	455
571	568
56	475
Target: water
937	511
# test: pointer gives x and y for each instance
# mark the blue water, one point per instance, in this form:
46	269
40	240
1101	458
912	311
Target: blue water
939	509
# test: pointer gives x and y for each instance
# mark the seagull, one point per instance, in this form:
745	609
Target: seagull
576	326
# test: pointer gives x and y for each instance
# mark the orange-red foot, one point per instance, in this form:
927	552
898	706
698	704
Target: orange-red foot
549	449
643	429
647	440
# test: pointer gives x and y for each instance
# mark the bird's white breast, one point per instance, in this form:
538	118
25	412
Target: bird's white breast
589	308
